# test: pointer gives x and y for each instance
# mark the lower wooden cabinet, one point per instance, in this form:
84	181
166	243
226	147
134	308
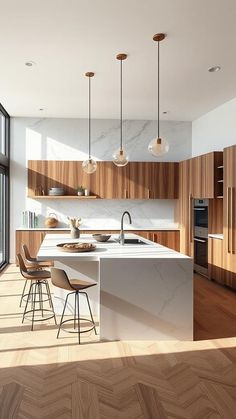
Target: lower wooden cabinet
215	260
34	238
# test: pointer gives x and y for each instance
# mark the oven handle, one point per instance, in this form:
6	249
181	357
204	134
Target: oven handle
199	240
199	209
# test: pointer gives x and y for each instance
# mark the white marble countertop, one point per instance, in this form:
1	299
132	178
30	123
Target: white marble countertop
110	249
216	236
128	228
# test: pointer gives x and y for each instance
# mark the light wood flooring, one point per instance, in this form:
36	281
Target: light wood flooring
45	378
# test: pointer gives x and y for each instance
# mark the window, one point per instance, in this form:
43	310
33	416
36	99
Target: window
4	186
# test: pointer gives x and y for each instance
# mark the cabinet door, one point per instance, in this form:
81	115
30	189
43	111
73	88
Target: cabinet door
205	175
170	239
185	209
113	181
139	182
229	215
32	239
164	182
215	260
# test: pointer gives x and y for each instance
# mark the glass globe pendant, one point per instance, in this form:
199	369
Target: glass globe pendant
120	156
89	166
158	146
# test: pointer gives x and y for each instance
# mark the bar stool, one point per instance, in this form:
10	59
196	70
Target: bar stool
37	279
76	287
34	264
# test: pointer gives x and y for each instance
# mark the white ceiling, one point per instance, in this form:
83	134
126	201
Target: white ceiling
66	38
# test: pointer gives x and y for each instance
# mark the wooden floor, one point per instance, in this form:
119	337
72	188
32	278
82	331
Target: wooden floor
42	377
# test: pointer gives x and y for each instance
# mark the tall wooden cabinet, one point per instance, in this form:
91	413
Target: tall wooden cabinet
229	216
185	208
205	176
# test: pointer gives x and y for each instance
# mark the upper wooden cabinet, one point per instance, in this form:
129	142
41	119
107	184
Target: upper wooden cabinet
205	175
113	181
137	180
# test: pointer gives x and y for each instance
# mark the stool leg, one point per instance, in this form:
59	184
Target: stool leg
50	299
23	292
40	297
62	315
35	293
27	301
91	315
77	295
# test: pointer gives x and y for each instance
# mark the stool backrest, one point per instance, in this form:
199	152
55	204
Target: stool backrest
26	252
60	279
22	266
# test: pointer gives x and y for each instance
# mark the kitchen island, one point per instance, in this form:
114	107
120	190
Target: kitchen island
144	291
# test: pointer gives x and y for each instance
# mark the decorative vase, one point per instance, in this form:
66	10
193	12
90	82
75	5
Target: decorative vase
75	233
80	193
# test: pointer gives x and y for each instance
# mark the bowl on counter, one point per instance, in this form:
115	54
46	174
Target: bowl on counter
101	237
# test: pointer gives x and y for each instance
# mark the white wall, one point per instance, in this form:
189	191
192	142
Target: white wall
66	139
215	130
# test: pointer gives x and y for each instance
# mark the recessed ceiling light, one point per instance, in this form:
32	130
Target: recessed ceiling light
29	63
41	109
214	69
165	112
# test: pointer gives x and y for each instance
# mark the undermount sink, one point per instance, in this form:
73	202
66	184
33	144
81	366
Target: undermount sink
134	241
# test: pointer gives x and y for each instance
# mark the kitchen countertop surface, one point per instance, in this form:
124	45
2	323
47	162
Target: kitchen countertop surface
109	249
128	228
216	236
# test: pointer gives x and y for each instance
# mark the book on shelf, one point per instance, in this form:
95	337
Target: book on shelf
29	219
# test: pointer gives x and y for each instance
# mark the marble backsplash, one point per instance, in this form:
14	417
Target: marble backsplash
106	214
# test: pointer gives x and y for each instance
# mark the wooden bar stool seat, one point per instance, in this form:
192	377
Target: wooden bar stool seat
76	287
32	264
38	280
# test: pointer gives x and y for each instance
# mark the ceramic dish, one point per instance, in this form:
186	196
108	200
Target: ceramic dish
101	237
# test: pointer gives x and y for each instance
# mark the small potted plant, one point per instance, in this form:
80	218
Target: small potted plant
80	190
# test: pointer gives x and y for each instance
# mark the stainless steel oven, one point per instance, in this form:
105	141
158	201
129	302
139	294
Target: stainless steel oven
201	236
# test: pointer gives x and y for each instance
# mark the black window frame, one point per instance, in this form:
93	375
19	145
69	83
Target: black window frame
5	169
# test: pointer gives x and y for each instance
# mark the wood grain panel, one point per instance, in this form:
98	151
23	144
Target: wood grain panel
215	260
229	215
215	216
205	175
137	180
185	212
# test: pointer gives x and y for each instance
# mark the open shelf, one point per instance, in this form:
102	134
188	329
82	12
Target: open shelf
220	167
63	197
220	181
220	196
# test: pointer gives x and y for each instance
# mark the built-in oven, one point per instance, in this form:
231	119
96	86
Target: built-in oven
201	236
201	213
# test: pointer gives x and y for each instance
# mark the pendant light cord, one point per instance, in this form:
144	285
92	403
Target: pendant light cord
158	89
89	121
121	107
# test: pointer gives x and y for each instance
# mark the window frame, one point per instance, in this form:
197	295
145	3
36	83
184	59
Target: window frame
5	169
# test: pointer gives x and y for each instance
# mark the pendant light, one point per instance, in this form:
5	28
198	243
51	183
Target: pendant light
120	156
158	146
89	166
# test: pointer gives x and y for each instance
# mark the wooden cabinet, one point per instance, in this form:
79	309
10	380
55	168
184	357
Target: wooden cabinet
229	216
215	260
185	208
170	238
205	175
44	174
33	239
113	181
137	180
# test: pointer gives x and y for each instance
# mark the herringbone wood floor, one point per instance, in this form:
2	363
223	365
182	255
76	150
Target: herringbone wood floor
41	377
